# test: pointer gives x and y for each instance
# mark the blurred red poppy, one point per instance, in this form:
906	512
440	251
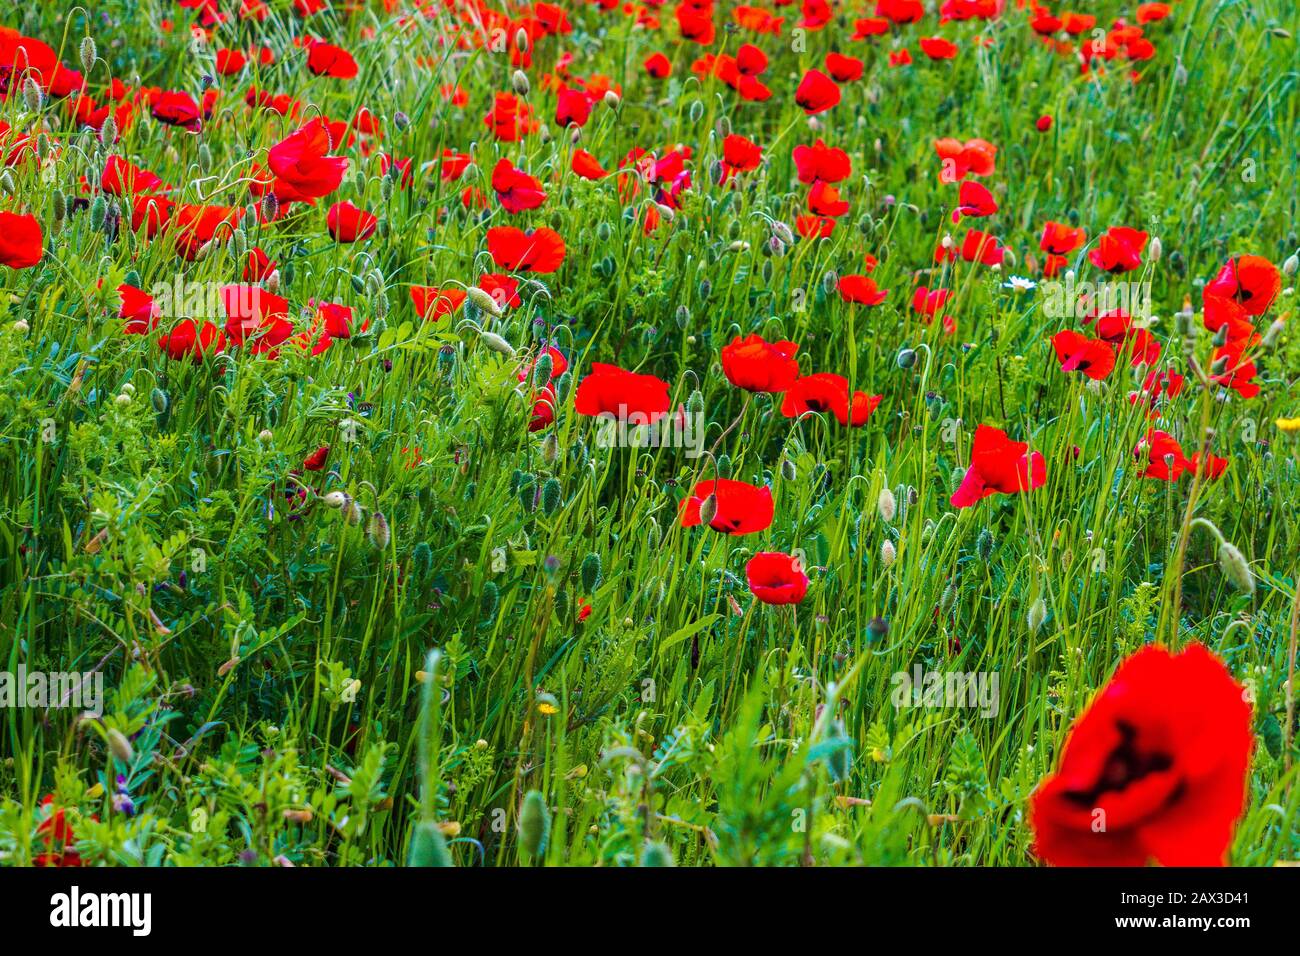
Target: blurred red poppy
776	578
1153	770
998	465
740	508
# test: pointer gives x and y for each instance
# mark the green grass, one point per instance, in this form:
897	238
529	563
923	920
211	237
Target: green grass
680	714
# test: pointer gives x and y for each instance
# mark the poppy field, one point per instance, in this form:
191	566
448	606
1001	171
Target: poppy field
483	433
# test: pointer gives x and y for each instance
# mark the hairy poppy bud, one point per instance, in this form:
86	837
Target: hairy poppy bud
656	854
591	572
87	53
378	531
949	597
1291	265
428	846
534	825
520	82
839	762
906	358
158	398
32	96
887	505
1235	568
119	746
612	99
984	544
709	509
887	553
1037	615
1155	250
521	40
724	466
550	447
788	470
497	344
488	602
550	496
335	499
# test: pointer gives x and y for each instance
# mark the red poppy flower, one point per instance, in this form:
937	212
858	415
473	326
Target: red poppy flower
432	304
826	391
543	410
1153	770
1221	311
139	310
937	48
1043	123
347	223
658	66
998	465
1060	239
325	59
821	162
515	189
1211	466
824	200
901	57
1233	369
1164	456
250	308
611	391
316	460
861	290
900	11
817	93
176	108
751	60
756	365
1078	353
1119	249
510	119
121	178
973	200
1252	281
572	108
541	250
587	166
843	69
188	340
776	578
20	240
300	161
57	837
741	508
740	154
230	62
974	157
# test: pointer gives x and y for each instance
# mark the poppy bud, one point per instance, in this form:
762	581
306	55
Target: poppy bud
656	854
830	281
877	628
1235	568
521	40
652	536
906	358
984	544
520	82
87	53
497	344
98	210
788	470
428	846
1037	615
1043	124
488	602
270	206
697	111
401	121
1155	250
612	99
158	398
335	499
708	509
683	317
119	746
1291	265
378	531
550	496
949	597
591	572
534	825
542	370
887	505
205	157
724	466
32	96
108	132
1274	333
695	403
839	762
887	553
550	447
